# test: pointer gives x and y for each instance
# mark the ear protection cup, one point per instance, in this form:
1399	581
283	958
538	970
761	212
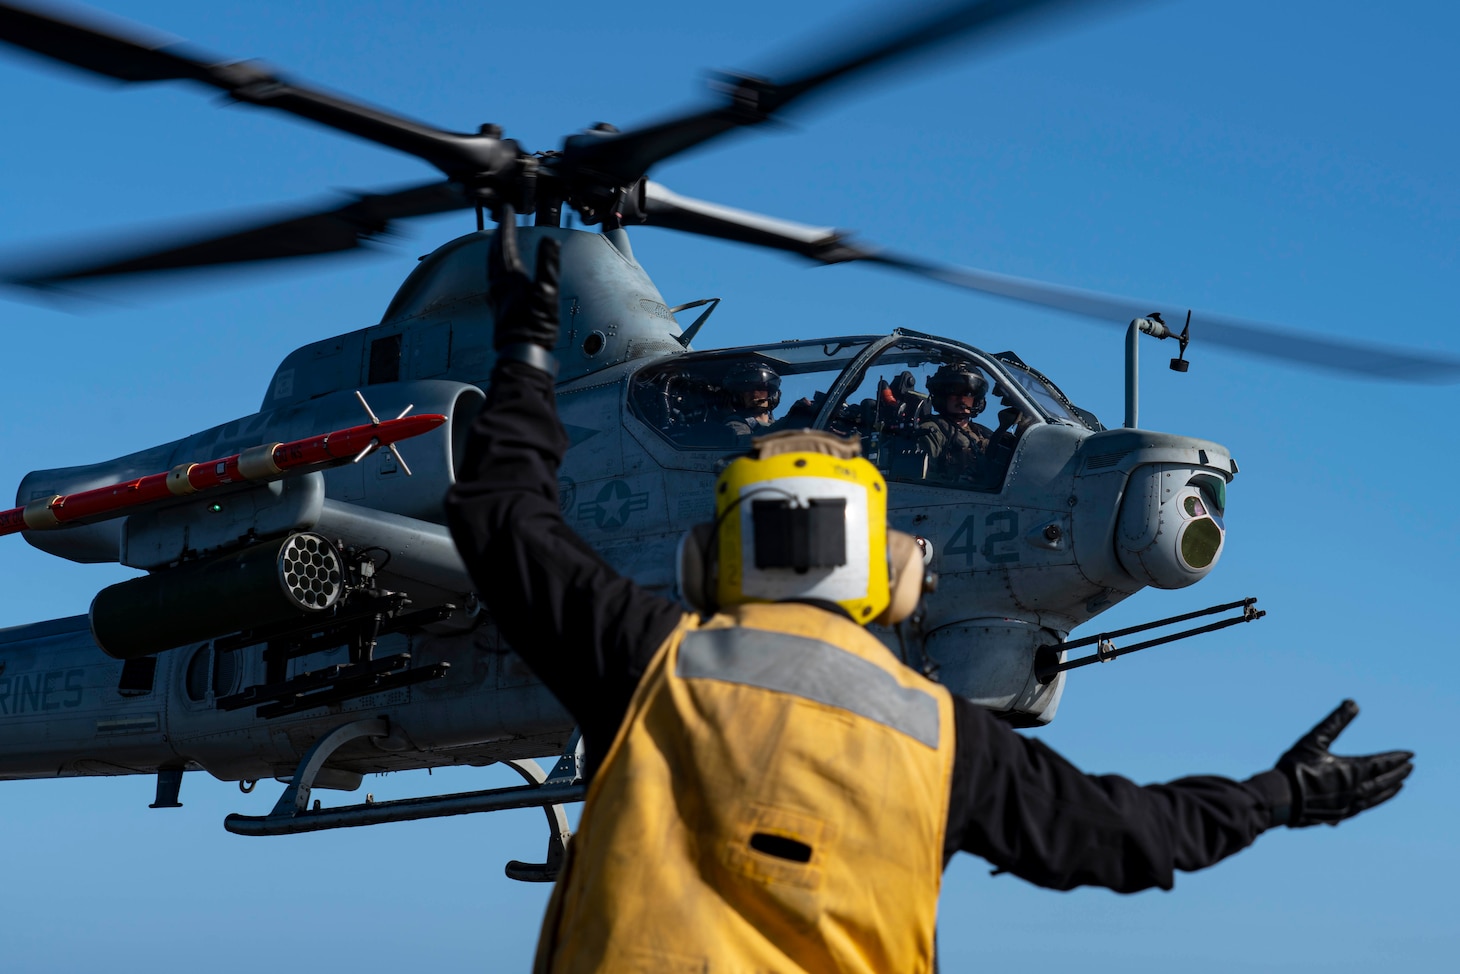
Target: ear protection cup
696	570
905	564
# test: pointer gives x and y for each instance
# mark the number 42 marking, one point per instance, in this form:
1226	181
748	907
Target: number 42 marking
999	527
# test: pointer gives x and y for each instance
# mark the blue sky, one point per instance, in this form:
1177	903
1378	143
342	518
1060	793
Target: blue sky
1291	163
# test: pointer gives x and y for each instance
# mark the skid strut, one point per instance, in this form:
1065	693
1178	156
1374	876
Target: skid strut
568	769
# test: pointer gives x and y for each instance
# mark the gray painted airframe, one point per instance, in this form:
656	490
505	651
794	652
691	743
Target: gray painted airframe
1070	520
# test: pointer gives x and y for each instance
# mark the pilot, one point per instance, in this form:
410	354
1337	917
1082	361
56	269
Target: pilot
770	788
753	391
954	442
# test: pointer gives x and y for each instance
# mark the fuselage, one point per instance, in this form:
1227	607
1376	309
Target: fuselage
1067	520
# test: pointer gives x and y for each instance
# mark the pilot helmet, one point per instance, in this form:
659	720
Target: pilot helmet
749	376
803	517
955	379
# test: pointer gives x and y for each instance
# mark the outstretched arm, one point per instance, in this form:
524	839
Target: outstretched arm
1023	807
586	631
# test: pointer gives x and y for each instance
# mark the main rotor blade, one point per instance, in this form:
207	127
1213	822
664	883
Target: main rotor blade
658	206
140	59
625	156
365	218
1243	335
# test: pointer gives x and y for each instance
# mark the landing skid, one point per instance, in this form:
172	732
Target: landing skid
295	813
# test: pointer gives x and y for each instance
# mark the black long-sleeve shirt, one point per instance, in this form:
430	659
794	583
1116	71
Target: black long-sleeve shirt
589	633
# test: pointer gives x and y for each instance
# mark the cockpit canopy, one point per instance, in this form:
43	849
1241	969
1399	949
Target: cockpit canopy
926	410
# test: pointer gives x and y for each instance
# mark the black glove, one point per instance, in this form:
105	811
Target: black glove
525	309
1328	788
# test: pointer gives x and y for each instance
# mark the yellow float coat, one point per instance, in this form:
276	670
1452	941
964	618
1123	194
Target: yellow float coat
775	801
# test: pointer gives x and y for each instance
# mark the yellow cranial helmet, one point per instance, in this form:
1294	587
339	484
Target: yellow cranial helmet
803	517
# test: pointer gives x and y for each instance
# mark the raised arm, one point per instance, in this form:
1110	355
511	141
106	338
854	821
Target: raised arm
586	631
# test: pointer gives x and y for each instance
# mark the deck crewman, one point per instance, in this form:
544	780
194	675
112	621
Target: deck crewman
771	789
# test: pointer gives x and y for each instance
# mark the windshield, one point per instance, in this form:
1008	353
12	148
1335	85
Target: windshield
926	411
1046	394
936	413
722	400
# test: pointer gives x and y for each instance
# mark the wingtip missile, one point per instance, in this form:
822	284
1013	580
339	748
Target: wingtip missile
265	462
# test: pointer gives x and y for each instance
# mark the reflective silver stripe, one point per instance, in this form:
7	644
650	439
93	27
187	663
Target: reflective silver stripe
812	669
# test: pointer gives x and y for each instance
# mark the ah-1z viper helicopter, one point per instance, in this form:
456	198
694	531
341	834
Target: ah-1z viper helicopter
1071	519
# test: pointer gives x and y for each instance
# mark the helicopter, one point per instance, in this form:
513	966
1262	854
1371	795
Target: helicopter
906	344
232	636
